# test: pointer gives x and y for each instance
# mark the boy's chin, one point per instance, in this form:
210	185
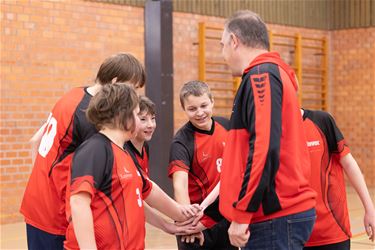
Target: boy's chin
145	138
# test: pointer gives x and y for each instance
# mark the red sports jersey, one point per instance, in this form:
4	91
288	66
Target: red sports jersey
327	146
117	189
266	163
140	158
43	204
199	153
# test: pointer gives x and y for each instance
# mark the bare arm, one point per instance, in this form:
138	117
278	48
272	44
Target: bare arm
180	187
83	222
355	177
35	141
153	218
211	197
159	200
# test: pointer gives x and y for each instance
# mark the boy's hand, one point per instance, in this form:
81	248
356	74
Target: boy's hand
188	222
190	210
198	217
191	230
193	221
191	238
174	229
369	222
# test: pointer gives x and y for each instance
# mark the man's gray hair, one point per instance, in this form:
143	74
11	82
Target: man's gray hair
249	29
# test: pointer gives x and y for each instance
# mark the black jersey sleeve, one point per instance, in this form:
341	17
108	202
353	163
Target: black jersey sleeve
332	133
93	162
179	158
180	155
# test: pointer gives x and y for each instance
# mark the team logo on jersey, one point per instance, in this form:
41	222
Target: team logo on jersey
126	174
205	156
313	143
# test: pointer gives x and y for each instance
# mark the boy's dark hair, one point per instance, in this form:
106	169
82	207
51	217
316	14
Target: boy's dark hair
249	28
146	105
113	106
195	88
121	67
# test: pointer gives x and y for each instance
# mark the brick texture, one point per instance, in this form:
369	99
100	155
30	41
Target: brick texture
353	93
48	47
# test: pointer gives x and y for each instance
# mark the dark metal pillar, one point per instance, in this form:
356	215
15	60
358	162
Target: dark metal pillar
159	85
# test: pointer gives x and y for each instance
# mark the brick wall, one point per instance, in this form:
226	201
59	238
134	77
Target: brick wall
48	47
353	93
185	55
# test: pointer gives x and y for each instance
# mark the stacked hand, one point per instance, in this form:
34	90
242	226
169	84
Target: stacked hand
190	211
191	229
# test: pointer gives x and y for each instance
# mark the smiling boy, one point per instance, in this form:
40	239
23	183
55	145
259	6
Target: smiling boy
195	161
138	146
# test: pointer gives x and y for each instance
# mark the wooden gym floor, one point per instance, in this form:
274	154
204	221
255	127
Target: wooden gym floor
13	235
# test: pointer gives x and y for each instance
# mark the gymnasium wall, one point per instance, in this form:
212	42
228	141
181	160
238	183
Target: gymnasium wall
49	47
353	93
46	49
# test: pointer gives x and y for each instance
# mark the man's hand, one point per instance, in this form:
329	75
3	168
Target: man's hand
238	234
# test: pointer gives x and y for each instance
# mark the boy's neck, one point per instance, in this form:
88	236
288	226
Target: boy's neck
208	128
117	136
138	144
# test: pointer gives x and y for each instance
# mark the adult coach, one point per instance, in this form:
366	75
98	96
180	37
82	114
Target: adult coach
43	204
264	190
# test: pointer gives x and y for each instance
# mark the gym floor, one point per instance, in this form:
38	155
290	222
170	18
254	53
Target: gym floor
13	236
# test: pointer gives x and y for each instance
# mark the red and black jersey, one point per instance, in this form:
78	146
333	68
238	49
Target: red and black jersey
140	158
266	163
107	172
327	146
199	153
43	204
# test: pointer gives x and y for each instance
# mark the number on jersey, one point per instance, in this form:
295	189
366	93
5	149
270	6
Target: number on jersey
48	137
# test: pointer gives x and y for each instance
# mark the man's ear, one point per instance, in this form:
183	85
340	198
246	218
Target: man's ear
234	40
